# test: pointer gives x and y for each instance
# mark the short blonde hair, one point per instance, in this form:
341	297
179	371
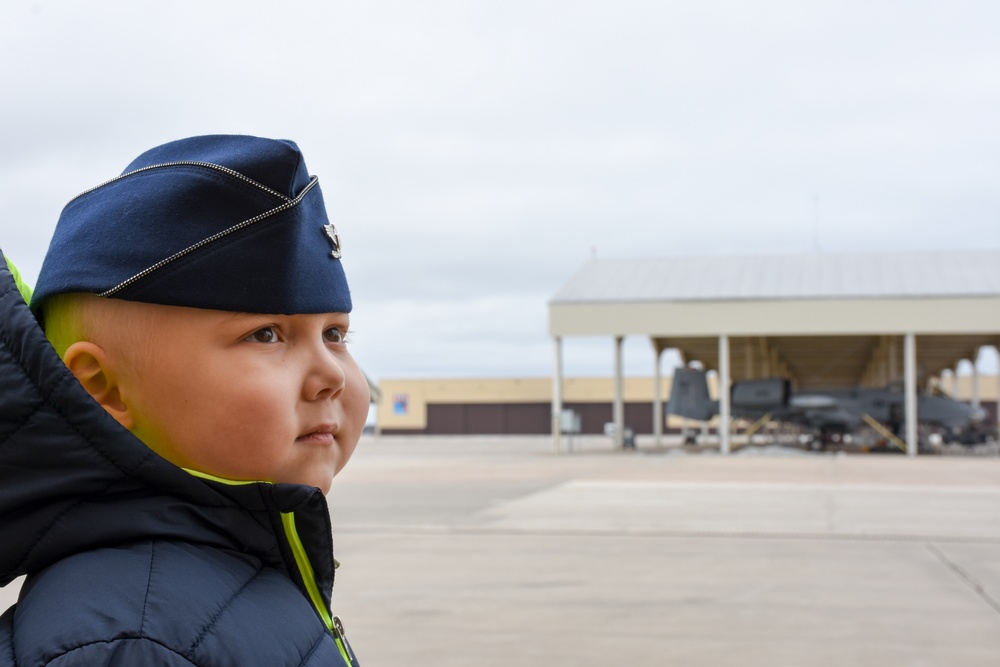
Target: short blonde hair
116	325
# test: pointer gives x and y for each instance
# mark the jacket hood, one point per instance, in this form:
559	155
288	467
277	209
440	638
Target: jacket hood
72	479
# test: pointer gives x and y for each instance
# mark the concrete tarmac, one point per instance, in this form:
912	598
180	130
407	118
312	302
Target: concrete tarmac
481	552
486	552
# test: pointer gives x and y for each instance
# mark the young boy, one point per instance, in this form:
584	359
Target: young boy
163	463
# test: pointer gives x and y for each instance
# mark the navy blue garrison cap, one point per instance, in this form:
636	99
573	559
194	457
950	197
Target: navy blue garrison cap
224	222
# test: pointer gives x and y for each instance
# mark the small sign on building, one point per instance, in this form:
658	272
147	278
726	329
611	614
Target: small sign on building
401	404
569	421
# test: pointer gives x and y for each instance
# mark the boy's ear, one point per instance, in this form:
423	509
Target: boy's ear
92	367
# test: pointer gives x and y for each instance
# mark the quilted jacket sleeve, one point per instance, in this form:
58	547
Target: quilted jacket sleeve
121	653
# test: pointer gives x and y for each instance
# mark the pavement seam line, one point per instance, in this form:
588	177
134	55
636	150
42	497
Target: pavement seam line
966	578
429	529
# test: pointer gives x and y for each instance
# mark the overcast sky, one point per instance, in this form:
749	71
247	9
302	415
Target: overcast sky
474	154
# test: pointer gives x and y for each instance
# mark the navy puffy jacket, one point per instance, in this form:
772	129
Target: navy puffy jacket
131	560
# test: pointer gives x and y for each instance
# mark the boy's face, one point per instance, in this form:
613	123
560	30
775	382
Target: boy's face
245	396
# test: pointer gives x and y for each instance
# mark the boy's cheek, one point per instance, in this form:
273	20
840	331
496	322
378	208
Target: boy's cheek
357	401
359	410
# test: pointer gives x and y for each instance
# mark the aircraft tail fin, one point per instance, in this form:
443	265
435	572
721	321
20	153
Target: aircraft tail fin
689	395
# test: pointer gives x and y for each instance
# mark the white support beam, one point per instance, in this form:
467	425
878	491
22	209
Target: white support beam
724	406
997	424
557	397
657	395
619	406
975	378
910	398
778	317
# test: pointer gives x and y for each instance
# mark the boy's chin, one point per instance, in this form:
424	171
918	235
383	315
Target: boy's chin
321	482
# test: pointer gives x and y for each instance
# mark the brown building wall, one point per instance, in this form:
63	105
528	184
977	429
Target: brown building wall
488	419
524	418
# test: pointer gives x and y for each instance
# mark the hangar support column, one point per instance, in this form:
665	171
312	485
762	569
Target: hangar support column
975	378
557	397
910	396
657	395
724	406
619	406
996	422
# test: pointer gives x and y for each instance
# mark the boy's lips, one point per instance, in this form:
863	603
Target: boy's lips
320	435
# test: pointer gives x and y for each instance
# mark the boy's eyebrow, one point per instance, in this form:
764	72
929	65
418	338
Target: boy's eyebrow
230	316
241	316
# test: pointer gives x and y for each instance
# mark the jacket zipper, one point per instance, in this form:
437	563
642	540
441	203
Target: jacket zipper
332	623
341	638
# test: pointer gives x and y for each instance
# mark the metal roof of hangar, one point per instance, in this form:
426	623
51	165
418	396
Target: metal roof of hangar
824	320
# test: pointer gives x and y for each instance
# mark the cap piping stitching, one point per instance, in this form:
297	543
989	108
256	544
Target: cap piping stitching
208	165
211	239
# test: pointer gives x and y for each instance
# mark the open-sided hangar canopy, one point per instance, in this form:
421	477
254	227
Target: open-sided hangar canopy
821	320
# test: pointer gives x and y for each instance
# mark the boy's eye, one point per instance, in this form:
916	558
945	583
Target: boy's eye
333	335
265	335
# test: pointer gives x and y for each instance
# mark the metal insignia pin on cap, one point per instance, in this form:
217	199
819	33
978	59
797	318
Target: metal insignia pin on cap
331	231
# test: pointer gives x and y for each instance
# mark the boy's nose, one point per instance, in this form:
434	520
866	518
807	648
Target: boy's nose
326	377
